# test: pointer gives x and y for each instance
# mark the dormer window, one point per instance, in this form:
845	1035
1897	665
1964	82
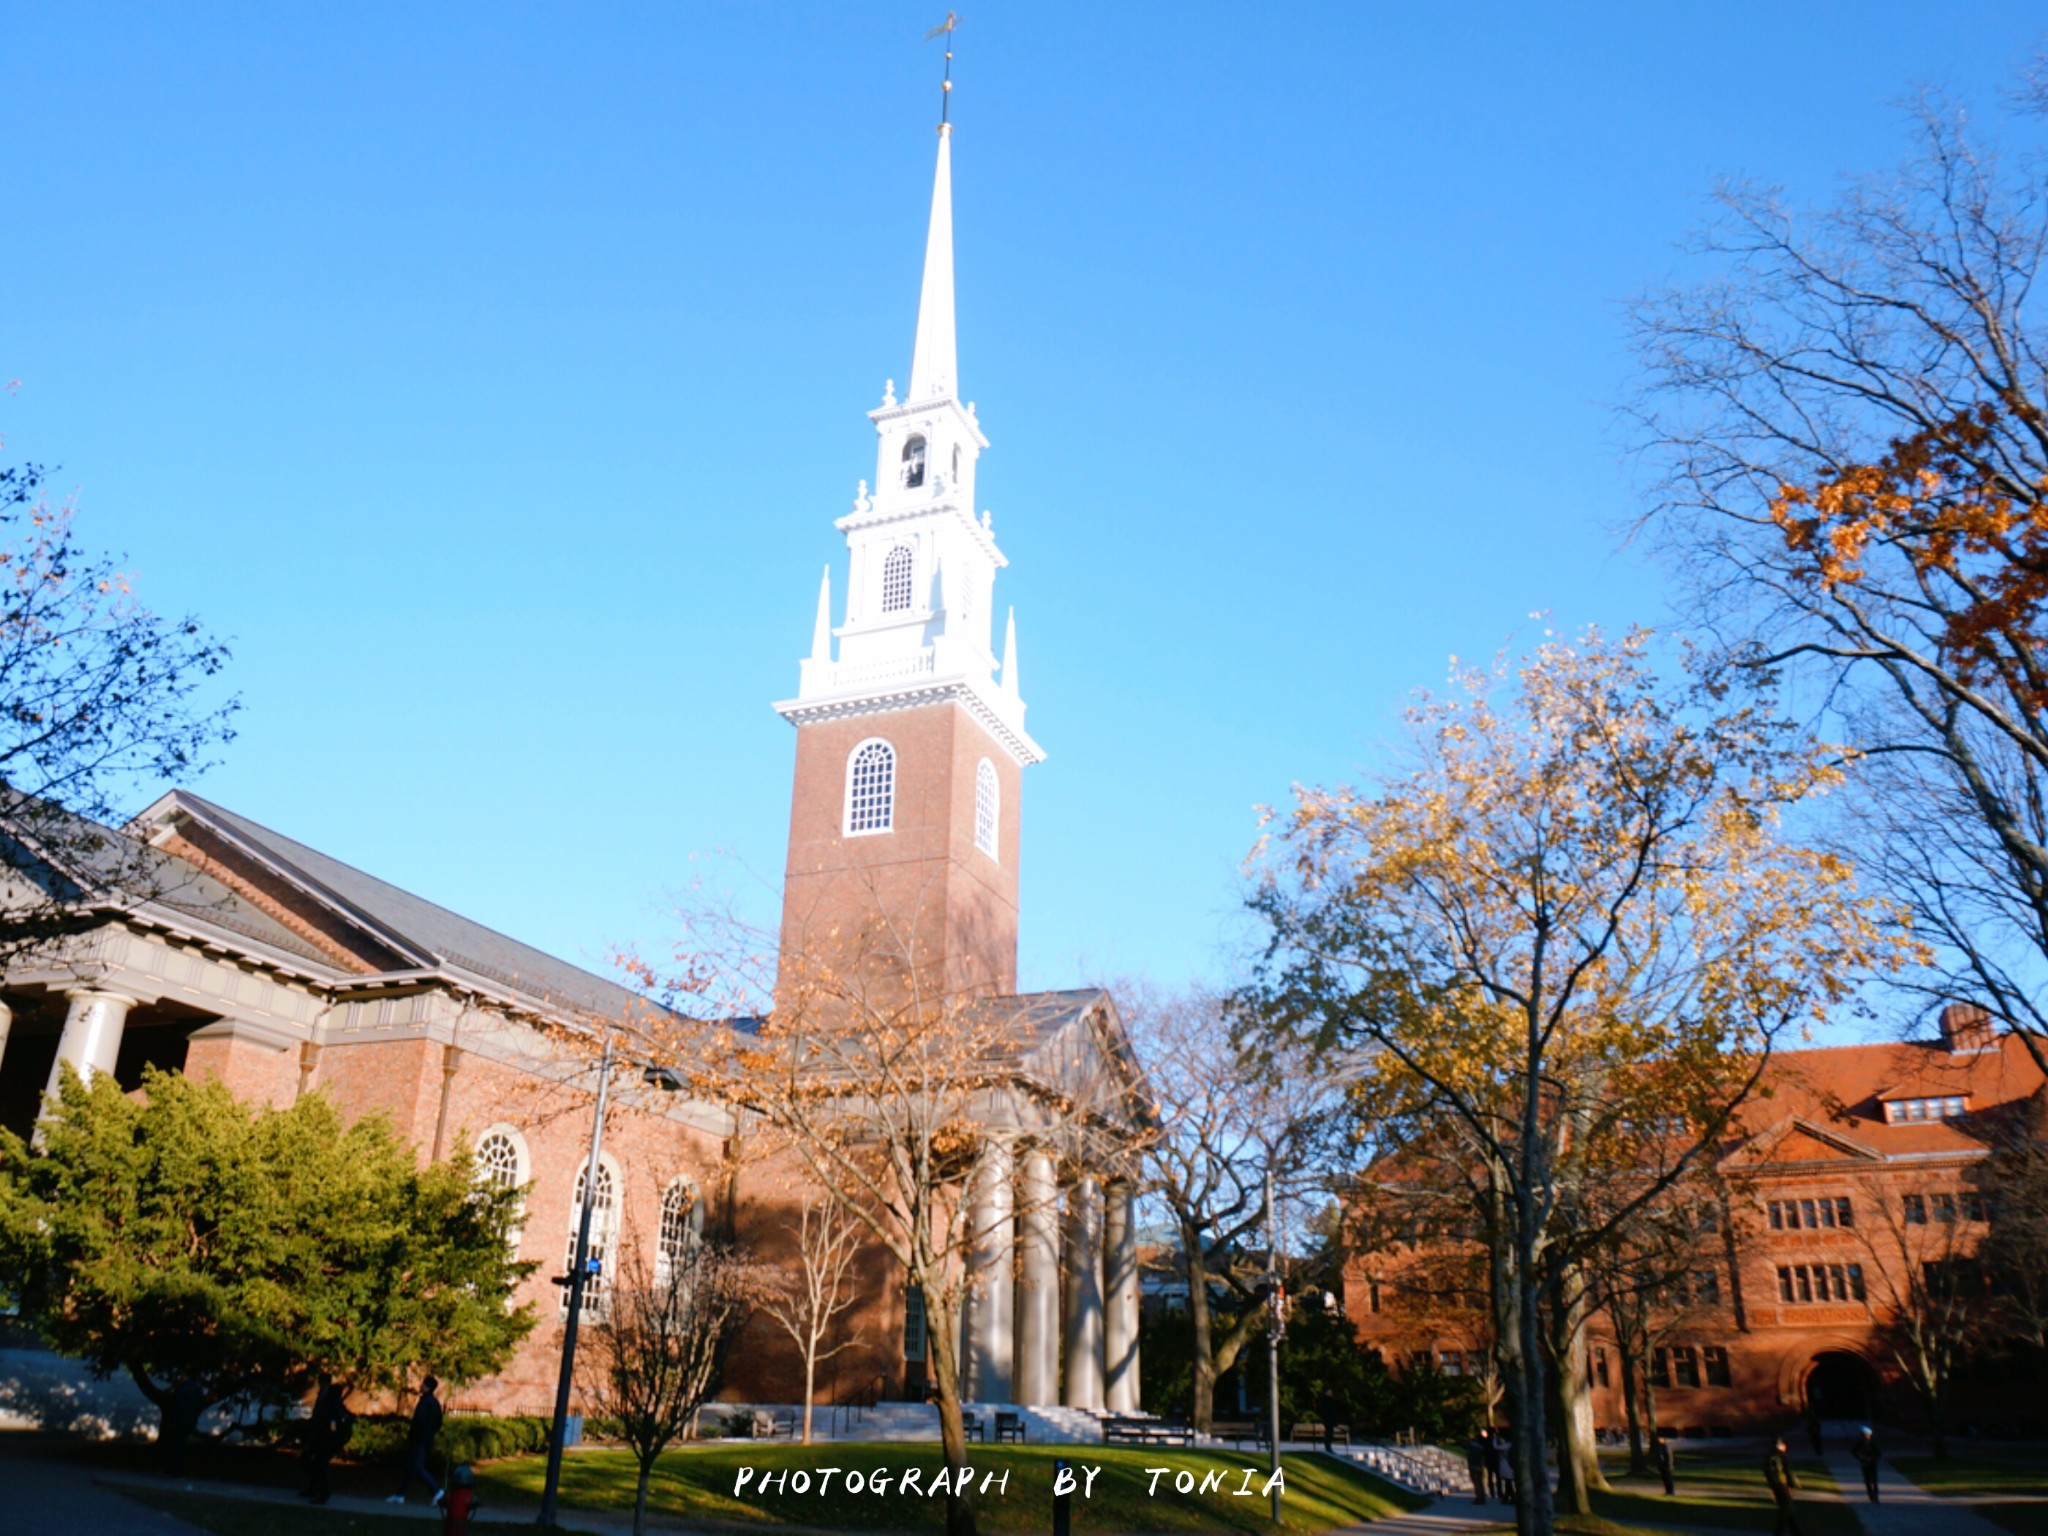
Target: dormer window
1906	1111
913	461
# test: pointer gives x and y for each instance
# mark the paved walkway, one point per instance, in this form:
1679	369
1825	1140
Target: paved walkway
1903	1508
47	1494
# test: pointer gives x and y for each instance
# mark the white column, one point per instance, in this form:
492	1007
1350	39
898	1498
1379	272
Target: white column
1084	1295
1038	1284
92	1034
1120	1315
989	1320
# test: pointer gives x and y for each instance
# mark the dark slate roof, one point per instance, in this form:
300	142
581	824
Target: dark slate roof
443	939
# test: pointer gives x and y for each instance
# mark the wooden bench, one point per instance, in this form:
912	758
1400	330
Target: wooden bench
1009	1426
1309	1430
1128	1431
774	1426
971	1426
1238	1431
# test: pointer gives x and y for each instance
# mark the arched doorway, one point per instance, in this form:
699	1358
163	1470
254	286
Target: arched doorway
1841	1385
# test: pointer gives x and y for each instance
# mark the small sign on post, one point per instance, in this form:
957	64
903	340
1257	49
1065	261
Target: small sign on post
1062	1501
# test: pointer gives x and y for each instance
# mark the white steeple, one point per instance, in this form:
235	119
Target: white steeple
920	587
933	366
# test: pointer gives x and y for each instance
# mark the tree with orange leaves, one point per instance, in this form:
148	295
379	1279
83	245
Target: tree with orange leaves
1851	420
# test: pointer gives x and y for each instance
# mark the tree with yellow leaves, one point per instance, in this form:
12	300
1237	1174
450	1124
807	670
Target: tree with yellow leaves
1569	934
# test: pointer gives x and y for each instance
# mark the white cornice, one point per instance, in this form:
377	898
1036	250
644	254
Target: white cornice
886	511
886	416
956	690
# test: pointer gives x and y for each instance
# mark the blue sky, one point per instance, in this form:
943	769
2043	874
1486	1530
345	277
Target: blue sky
492	375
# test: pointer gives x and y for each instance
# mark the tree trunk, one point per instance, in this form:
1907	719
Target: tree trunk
1535	1514
1202	1411
640	1497
941	1346
810	1386
1578	1456
1638	1459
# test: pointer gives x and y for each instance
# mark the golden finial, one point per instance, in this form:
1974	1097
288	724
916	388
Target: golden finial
945	29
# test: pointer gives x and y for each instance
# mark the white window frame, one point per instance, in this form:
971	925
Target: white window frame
897	599
522	1168
888	821
604	1238
988	809
692	1222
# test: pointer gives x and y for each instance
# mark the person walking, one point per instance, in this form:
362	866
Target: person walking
327	1431
1864	1449
1666	1469
1477	1455
1504	1466
1781	1481
419	1441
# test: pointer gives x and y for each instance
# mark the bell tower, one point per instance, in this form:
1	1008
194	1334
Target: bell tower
903	838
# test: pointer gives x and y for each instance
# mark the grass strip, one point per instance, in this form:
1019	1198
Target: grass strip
700	1483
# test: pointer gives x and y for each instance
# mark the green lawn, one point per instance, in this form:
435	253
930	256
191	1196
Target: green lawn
699	1482
2018	1470
1724	1492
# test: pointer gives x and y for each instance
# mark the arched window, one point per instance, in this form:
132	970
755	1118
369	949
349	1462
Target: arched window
896	580
604	1231
913	461
497	1161
871	788
682	1228
988	807
956	464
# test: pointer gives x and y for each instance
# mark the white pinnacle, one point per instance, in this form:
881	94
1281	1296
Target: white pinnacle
932	360
821	632
1010	655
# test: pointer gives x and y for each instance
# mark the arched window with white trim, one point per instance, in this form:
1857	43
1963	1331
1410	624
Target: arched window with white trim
499	1162
604	1232
871	788
988	808
913	461
681	1229
896	571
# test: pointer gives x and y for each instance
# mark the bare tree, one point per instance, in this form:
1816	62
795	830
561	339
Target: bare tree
2011	1188
658	1343
817	1289
100	700
1228	1115
1851	426
898	1099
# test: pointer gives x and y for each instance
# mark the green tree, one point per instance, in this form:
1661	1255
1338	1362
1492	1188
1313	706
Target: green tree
183	1234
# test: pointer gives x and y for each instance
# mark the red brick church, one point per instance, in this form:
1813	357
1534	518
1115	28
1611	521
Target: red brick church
284	971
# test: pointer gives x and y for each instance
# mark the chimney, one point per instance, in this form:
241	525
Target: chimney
1967	1027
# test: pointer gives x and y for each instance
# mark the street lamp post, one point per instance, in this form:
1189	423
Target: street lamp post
1276	1330
577	1276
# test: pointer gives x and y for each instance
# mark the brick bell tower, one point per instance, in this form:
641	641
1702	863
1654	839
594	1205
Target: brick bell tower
910	748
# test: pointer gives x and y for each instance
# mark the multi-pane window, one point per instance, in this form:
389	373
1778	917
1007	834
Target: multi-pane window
1946	1107
987	807
497	1161
1944	1207
1915	1207
682	1224
1451	1362
1820	1211
871	788
604	1226
1714	1361
896	567
1973	1205
1820	1282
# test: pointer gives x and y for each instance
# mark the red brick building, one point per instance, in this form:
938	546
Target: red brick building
1854	1167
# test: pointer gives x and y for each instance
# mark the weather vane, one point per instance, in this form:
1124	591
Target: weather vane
945	29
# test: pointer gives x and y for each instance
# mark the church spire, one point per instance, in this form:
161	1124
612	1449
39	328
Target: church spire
932	362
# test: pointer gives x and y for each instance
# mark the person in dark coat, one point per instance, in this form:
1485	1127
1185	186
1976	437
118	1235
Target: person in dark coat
1504	1467
1779	1479
419	1442
1666	1469
1864	1449
323	1437
179	1422
1477	1454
